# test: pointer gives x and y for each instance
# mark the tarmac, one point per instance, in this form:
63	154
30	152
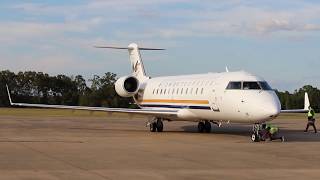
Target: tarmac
123	148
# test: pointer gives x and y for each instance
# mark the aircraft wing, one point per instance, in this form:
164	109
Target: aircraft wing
304	110
154	112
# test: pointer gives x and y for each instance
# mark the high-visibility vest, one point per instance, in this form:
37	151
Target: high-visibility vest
311	113
273	129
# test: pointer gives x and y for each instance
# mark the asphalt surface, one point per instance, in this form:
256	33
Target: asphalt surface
123	148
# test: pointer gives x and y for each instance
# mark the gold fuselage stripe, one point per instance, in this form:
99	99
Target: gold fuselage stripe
175	101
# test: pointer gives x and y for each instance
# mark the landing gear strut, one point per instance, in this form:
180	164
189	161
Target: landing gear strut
156	126
201	127
255	136
207	126
204	127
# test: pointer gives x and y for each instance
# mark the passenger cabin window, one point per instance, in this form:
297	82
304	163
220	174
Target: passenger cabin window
250	85
234	85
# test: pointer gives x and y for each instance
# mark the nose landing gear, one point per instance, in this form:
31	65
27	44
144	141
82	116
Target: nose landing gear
255	136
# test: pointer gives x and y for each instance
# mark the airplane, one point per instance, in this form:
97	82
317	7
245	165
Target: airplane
226	97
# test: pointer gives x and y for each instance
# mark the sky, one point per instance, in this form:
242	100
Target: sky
277	40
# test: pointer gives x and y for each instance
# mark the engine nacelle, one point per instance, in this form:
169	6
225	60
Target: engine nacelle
127	86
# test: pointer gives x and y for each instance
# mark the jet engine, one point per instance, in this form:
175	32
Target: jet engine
127	86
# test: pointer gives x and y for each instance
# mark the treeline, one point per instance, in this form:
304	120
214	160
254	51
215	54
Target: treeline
39	87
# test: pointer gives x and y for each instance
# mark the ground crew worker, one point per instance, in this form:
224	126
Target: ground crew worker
311	120
272	133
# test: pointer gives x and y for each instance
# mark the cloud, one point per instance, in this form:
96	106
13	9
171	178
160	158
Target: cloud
210	18
15	32
61	34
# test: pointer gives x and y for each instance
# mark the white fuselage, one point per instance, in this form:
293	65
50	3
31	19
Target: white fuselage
206	97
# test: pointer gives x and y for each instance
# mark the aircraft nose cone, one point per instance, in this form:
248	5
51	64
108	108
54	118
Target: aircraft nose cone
273	111
269	108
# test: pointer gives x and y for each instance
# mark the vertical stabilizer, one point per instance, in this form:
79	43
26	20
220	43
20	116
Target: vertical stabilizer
136	62
135	59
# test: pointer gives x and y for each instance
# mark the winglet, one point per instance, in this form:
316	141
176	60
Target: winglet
227	70
306	101
10	100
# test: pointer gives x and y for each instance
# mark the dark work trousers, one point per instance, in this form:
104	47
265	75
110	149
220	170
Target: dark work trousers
311	123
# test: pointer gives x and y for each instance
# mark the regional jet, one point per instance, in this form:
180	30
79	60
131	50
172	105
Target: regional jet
211	98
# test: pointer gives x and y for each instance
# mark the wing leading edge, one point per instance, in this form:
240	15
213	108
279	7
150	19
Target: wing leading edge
151	112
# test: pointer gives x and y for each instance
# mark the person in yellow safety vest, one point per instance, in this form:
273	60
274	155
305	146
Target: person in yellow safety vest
311	120
273	132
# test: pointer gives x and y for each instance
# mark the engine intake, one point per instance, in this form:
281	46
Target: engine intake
127	86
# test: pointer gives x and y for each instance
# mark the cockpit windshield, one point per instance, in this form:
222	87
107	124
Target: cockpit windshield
265	86
249	85
234	85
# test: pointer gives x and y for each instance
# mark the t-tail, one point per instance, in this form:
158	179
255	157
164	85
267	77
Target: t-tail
138	70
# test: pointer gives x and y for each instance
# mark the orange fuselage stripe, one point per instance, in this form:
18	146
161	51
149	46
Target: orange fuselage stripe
175	101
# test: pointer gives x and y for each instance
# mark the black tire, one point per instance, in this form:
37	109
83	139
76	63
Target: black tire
159	125
200	127
153	127
255	137
207	126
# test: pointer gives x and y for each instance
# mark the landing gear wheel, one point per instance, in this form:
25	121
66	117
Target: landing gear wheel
201	127
153	127
255	137
207	126
159	124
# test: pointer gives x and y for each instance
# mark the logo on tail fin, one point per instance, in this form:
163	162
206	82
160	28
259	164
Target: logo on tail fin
135	66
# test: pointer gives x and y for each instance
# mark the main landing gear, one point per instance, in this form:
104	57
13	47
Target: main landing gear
204	127
256	135
156	125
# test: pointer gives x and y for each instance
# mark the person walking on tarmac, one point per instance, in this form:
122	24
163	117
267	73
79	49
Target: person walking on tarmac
311	120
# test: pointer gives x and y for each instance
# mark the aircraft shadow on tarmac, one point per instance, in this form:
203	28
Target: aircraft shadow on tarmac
291	135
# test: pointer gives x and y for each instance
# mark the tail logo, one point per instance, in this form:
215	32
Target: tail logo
135	66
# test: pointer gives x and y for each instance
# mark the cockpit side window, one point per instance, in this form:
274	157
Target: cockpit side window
234	85
250	85
265	86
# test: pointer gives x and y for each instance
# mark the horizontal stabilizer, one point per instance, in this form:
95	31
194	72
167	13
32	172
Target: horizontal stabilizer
140	48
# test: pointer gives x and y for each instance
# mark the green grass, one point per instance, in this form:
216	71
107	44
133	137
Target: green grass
296	115
50	112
